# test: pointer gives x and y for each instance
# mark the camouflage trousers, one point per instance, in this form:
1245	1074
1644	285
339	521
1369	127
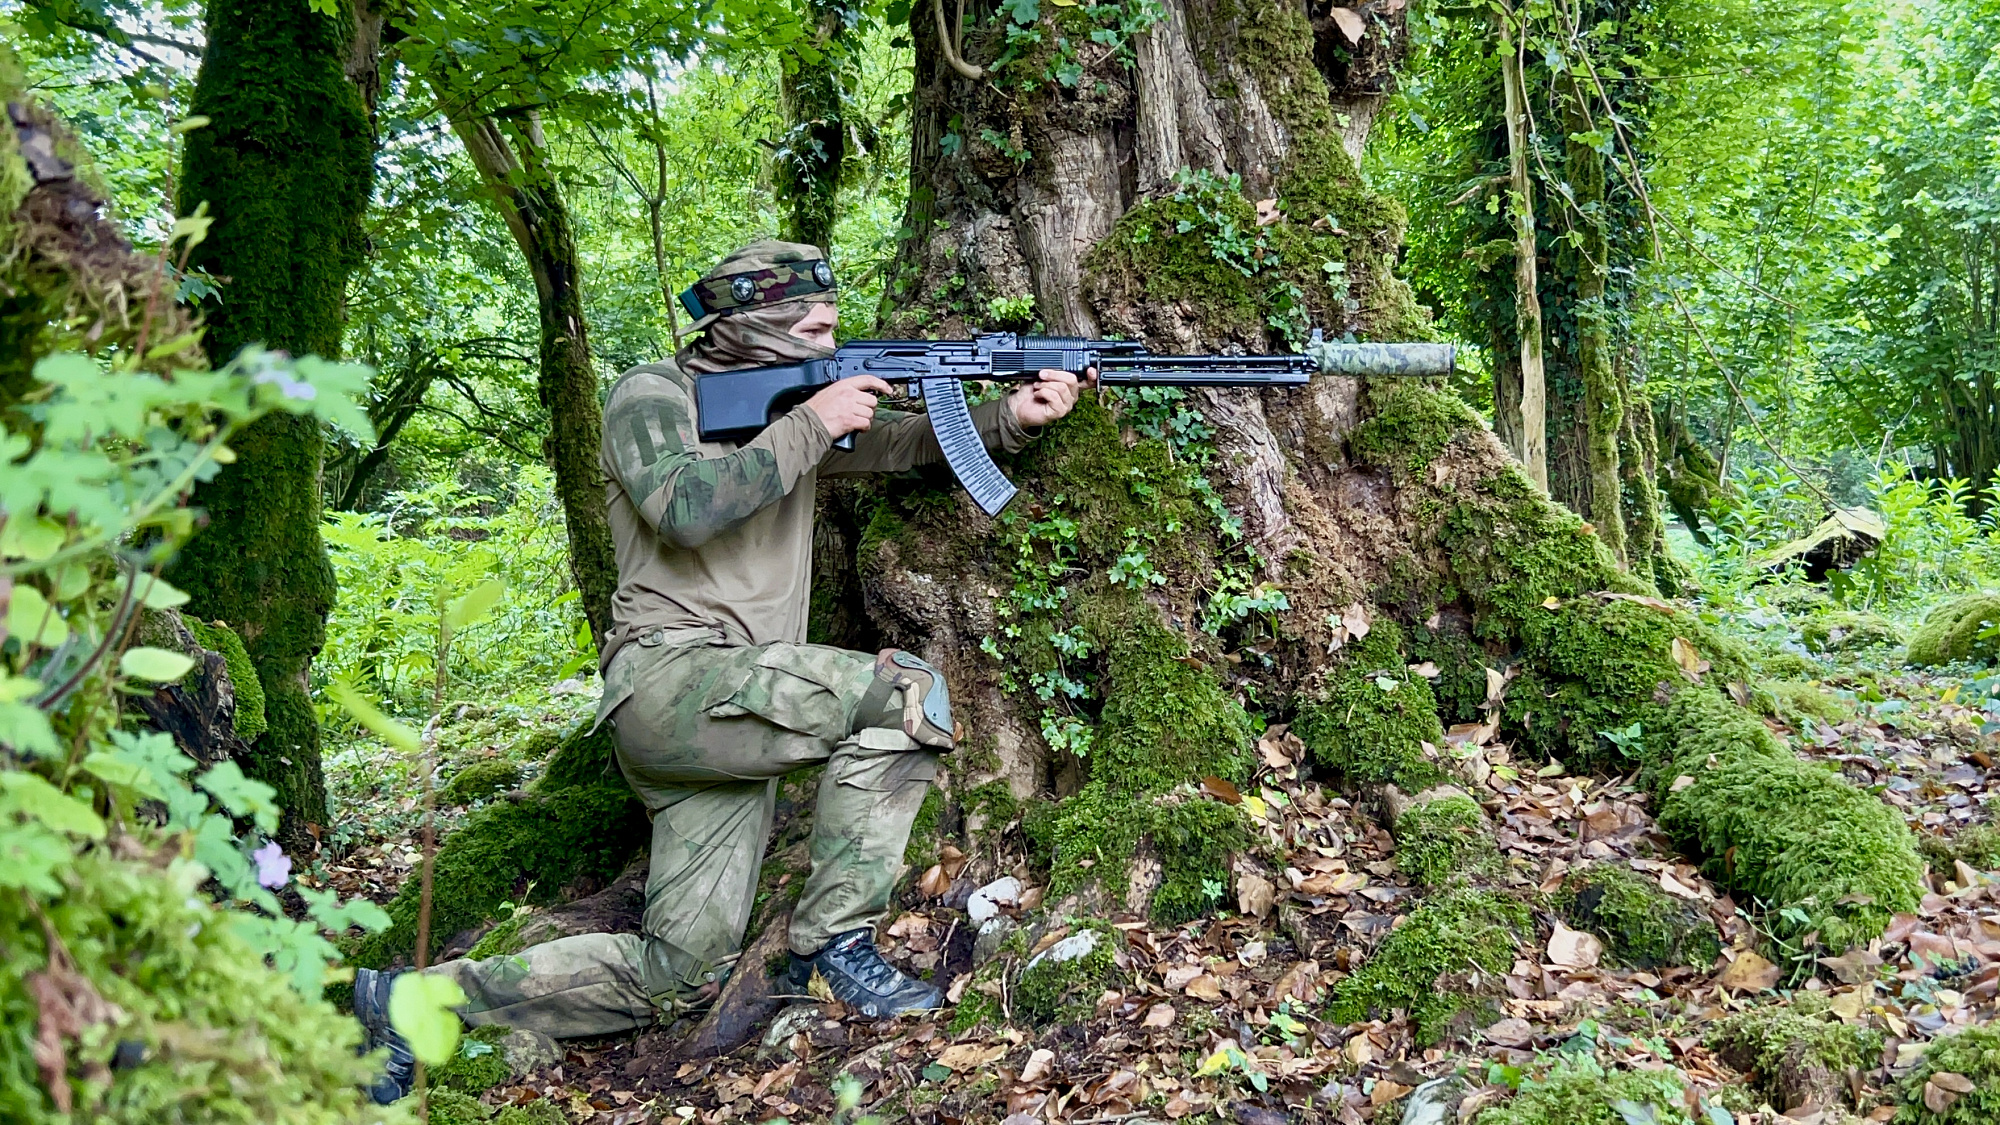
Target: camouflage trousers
703	740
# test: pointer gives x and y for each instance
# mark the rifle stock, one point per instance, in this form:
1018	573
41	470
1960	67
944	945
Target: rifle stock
736	405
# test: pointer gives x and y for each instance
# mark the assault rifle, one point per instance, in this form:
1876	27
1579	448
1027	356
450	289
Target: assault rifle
735	405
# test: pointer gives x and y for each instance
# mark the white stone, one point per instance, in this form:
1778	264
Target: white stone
985	902
1071	948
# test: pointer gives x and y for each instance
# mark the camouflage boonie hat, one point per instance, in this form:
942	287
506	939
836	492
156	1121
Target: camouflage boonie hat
764	273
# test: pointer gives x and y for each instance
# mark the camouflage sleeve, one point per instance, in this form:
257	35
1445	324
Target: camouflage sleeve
650	446
901	440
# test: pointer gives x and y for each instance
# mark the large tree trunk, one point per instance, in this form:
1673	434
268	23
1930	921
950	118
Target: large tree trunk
1175	571
285	166
512	157
810	155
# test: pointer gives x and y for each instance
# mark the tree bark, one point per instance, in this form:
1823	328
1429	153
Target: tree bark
285	167
1533	449
512	158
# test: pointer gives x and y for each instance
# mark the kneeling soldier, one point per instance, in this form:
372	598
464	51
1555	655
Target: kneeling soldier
714	695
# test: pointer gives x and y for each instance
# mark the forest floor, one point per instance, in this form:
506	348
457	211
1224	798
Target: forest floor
1221	1019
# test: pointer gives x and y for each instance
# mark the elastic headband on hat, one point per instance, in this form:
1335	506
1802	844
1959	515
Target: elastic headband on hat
720	296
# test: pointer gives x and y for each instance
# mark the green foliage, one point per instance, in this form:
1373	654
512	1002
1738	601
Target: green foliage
1192	839
1420	966
1974	1053
1641	924
1966	628
1825	855
383	636
1443	839
1578	1091
578	821
223	1034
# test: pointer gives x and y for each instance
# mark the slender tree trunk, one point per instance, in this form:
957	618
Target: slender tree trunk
511	156
1533	450
1602	415
285	167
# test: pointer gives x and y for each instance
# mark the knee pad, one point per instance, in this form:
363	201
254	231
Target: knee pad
926	712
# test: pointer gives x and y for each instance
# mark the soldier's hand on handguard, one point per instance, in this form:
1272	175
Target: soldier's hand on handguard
1049	397
849	405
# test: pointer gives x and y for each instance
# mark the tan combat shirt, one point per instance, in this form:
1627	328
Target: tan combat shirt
718	537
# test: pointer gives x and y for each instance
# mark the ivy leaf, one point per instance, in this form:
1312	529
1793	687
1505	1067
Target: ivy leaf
158	593
159	665
420	1009
23	726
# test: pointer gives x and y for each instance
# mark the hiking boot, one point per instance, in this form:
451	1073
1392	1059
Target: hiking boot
371	1008
862	980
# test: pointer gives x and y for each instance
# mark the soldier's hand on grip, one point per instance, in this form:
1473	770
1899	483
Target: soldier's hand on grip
849	405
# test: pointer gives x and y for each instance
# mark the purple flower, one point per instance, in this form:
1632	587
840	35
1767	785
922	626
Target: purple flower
274	867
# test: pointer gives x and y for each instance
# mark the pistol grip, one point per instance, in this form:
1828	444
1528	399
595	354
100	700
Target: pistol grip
844	443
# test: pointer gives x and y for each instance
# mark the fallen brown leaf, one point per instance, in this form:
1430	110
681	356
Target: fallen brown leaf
1574	949
1748	973
1041	1063
1254	895
962	1057
1159	1015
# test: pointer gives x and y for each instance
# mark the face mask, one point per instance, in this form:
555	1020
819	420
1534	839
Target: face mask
755	337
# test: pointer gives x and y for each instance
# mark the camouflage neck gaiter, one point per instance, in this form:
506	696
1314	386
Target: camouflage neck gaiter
759	336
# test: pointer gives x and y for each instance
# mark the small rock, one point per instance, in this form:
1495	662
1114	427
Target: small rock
527	1050
992	935
791	1021
985	902
1071	948
1435	1102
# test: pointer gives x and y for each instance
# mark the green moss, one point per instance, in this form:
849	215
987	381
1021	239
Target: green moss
1411	424
1796	700
480	781
1580	1092
1440	840
541	1111
1974	1053
1977	846
1149	246
1953	631
455	1107
1370	715
992	805
922	849
1051	991
1799	1044
479	1064
576	822
1193	839
1787	666
1794	835
1164	720
220	638
1846	631
1597	664
1642	926
1418	965
504	939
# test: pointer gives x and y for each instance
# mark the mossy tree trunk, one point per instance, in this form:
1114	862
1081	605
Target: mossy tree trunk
285	167
814	147
511	154
1181	568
